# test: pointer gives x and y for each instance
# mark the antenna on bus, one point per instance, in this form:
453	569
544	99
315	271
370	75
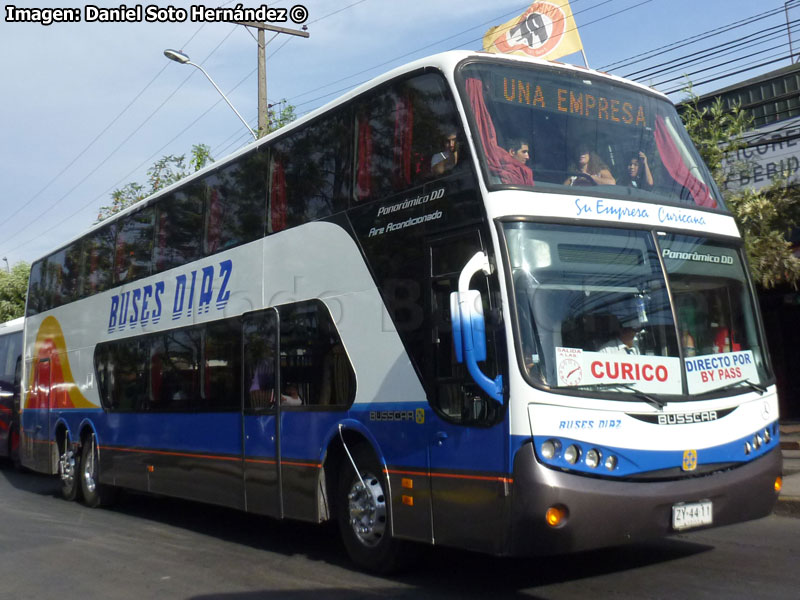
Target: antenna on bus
182	58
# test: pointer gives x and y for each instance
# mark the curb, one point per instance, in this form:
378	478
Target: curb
787	506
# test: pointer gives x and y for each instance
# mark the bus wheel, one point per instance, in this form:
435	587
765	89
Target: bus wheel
363	514
94	493
68	471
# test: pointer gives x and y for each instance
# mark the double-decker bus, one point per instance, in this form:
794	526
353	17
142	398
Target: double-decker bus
389	314
10	372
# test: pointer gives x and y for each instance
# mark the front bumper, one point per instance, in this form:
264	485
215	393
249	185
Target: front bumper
604	512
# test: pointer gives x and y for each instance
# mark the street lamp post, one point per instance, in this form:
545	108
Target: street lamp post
5	260
183	59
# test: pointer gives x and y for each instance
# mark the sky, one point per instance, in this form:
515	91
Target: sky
86	108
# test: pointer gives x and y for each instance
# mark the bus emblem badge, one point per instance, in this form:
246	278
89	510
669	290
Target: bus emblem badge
689	460
420	416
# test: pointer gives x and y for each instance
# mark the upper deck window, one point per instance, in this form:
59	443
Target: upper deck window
581	131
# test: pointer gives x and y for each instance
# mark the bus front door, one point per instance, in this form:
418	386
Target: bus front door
467	431
260	448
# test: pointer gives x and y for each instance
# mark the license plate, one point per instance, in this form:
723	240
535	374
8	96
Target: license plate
692	514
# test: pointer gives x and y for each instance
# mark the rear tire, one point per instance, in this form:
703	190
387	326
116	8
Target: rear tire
94	493
364	515
68	467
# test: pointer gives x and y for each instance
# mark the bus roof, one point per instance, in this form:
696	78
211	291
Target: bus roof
444	61
12	326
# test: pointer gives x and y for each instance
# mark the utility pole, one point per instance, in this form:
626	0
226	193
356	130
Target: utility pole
262	66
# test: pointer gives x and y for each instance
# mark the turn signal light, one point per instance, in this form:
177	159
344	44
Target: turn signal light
778	484
555	516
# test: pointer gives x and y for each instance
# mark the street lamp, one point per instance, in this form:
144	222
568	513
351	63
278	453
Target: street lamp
183	59
5	260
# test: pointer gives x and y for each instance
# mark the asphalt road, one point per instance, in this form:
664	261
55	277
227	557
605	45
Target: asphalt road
148	547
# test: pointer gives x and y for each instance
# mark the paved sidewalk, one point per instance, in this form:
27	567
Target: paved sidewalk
789	500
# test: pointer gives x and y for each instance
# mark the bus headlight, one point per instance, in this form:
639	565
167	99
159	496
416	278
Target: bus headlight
767	436
611	463
572	454
593	458
550	449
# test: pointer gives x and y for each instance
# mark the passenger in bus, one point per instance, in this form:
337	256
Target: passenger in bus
519	150
291	396
624	340
261	386
447	158
589	169
688	343
637	172
511	168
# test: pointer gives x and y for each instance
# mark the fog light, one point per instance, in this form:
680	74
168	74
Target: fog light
611	463
778	484
555	515
572	454
593	458
551	448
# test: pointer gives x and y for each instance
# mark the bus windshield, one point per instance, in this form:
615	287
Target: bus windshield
558	130
593	310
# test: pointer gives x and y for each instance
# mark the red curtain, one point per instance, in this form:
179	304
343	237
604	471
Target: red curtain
673	162
214	221
403	131
278	197
500	162
161	240
364	169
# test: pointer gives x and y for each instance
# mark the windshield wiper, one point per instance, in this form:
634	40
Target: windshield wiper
651	400
753	386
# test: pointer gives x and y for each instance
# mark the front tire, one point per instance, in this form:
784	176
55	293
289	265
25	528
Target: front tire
364	515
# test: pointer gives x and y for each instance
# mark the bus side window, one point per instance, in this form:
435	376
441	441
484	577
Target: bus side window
315	368
175	370
97	257
180	218
222	365
236	200
259	333
398	133
134	246
310	173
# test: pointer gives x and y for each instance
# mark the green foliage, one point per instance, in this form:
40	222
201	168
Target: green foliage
278	118
13	287
764	216
164	172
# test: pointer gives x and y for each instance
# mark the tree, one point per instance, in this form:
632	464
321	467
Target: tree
13	288
278	118
164	172
764	216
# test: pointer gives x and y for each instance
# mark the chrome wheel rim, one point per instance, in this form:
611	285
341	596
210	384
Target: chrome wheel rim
88	473
367	510
66	467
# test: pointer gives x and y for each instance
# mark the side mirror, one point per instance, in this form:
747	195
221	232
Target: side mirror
469	327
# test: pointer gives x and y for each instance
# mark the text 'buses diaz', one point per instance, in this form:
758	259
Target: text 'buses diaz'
482	301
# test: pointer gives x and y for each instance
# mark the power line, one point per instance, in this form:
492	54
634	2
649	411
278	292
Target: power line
707	51
731	74
700	36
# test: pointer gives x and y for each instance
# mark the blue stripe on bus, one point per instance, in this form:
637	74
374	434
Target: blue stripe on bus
632	462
